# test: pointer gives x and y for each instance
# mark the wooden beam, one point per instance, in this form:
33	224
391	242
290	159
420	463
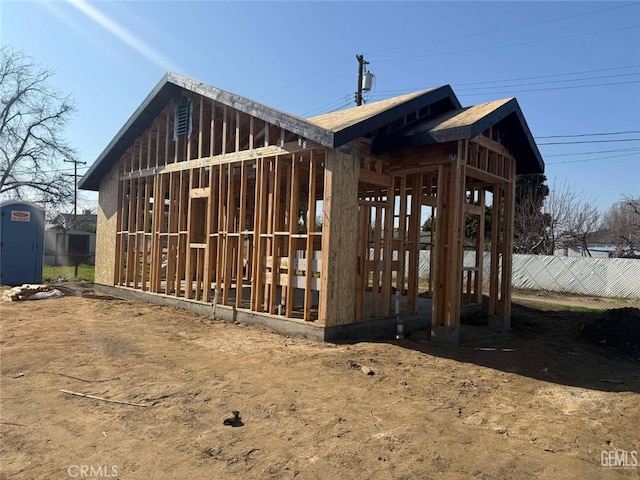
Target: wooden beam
486	142
243	156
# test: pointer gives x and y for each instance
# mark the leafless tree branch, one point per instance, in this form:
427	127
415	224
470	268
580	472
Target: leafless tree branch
33	116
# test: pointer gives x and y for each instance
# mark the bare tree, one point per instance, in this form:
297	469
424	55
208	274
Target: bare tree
531	226
623	220
32	119
572	219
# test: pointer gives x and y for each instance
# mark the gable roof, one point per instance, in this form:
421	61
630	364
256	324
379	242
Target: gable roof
362	120
467	123
331	130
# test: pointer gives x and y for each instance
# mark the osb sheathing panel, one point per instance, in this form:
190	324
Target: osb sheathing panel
339	239
106	228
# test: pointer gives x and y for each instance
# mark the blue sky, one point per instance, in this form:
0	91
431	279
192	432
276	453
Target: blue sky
574	66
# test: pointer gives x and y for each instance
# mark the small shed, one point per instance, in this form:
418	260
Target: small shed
21	242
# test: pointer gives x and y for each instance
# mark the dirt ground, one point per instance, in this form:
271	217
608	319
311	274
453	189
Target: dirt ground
537	403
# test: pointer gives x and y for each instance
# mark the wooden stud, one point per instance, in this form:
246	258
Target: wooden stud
311	228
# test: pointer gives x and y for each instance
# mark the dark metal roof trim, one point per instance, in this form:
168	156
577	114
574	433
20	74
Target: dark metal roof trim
399	111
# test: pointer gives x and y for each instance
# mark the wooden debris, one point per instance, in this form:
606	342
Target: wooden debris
95	397
26	291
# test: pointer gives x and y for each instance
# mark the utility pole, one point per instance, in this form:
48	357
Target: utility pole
361	63
75	203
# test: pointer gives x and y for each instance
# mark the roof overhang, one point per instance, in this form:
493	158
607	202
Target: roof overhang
338	128
171	86
468	123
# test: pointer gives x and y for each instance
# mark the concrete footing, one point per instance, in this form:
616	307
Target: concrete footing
444	335
499	324
381	329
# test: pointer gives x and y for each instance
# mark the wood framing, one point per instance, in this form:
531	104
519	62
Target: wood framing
214	199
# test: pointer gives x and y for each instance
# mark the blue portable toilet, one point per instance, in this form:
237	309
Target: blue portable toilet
21	243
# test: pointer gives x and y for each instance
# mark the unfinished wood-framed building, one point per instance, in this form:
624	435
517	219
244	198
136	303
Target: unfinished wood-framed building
227	207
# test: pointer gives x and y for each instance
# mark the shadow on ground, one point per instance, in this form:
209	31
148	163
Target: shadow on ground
588	349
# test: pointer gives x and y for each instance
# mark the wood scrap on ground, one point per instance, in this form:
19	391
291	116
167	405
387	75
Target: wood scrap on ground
30	292
95	397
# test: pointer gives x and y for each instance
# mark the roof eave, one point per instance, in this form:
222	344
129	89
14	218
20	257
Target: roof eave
365	127
157	99
412	138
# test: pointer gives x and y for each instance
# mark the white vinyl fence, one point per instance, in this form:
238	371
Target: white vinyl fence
601	277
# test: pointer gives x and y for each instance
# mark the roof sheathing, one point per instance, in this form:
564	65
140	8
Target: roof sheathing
467	123
360	121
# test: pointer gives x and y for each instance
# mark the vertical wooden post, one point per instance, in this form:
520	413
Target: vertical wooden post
414	243
448	249
311	228
480	248
339	238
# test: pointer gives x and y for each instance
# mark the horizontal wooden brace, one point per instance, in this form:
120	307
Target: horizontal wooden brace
492	145
429	200
199	192
473	209
226	158
375	178
485	176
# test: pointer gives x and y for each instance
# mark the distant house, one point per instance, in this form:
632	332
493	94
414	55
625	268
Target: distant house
600	244
66	244
85	221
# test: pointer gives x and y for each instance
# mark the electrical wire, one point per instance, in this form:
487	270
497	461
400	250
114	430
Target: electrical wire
518	44
589	134
592	141
600	77
325	108
503	29
633	149
590	159
551	88
405	90
550	75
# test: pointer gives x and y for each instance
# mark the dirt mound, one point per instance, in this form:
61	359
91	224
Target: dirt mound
618	329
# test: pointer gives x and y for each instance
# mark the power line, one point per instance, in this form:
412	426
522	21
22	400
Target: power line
404	90
497	30
509	92
518	44
551	82
327	106
314	74
590	134
592	141
589	159
550	75
634	149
